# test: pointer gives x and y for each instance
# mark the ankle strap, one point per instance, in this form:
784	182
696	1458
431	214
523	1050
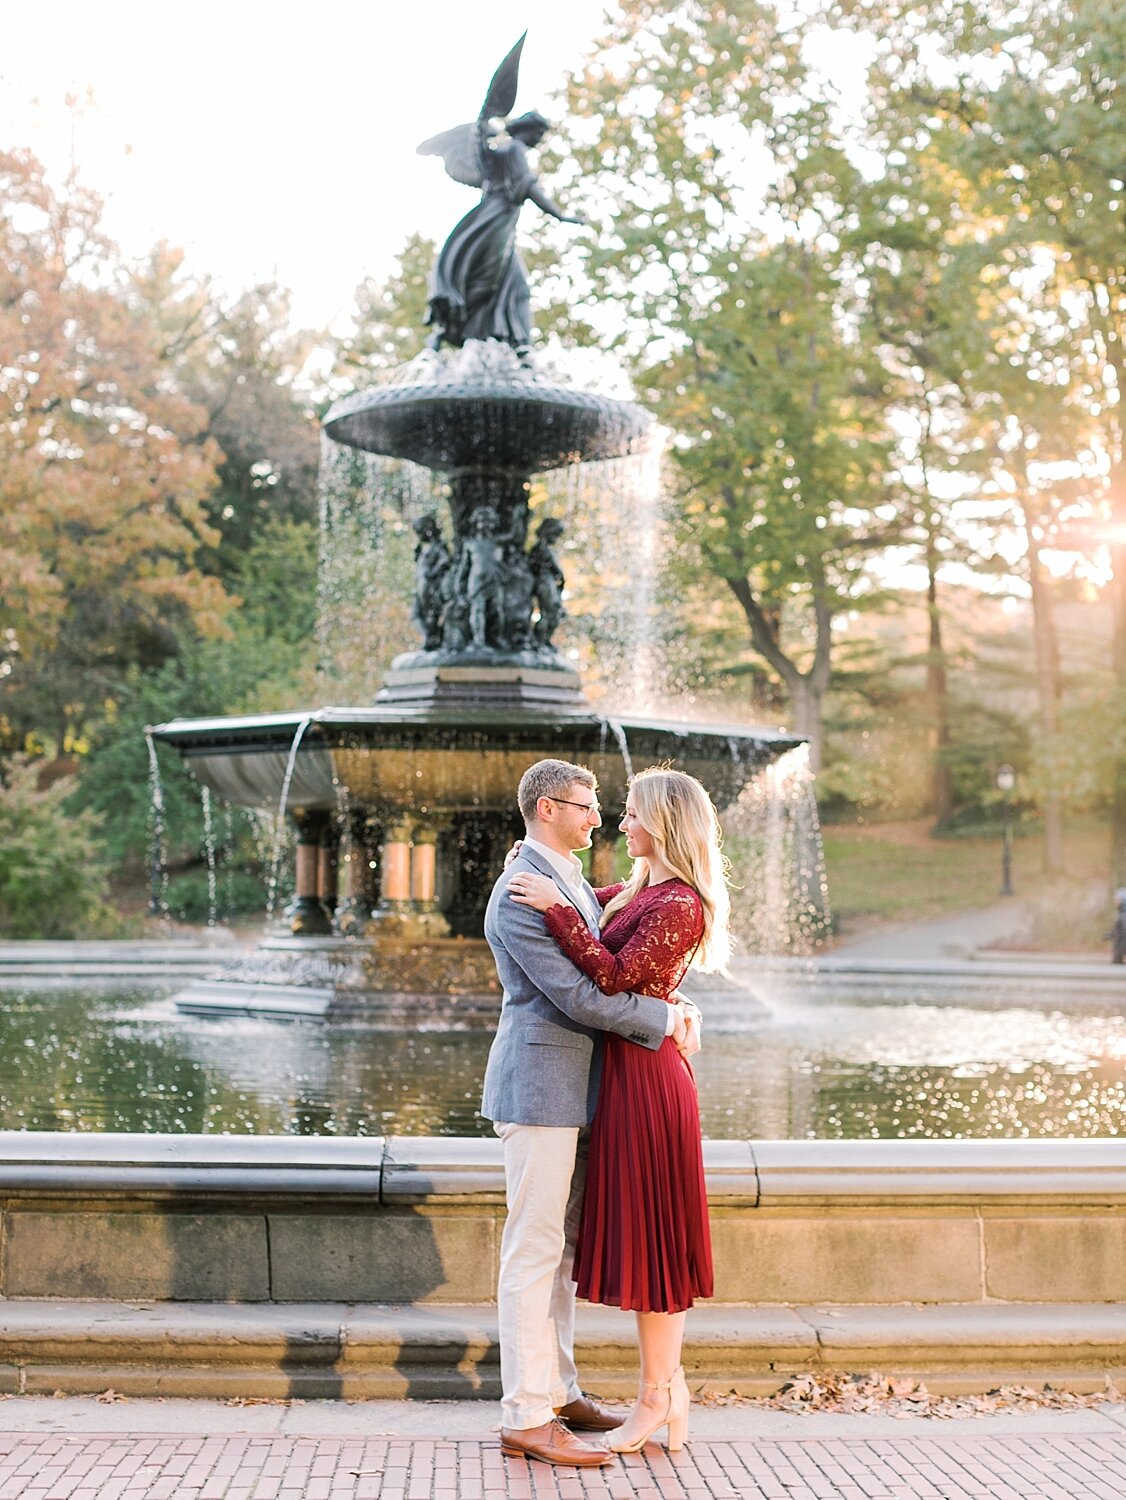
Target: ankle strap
657	1385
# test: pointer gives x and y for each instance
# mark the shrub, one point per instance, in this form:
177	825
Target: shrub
53	872
237	894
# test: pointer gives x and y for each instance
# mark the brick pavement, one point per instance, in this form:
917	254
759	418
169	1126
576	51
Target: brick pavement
153	1466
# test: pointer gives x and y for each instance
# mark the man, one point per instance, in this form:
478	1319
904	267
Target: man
540	1089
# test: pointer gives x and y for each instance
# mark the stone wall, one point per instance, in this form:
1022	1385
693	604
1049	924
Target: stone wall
285	1219
933	1252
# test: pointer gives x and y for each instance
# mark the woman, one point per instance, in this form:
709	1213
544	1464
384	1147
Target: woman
643	1239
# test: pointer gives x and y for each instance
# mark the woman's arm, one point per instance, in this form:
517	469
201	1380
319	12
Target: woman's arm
664	935
606	893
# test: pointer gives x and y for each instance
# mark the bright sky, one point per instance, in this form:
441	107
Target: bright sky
273	140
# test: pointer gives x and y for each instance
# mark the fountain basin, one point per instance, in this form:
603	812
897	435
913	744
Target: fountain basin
515	423
451	761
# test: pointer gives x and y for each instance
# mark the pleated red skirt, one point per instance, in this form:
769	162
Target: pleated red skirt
644	1242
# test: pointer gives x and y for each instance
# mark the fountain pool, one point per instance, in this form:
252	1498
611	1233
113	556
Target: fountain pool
931	1062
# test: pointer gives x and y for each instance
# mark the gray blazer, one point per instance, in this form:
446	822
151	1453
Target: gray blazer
546	1058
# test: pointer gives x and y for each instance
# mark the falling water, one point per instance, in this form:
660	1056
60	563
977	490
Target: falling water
780	903
612	555
619	733
365	575
158	886
209	854
611	551
279	819
228	842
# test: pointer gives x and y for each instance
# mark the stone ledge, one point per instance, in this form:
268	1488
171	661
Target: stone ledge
337	1349
955	1172
760	1174
77	1164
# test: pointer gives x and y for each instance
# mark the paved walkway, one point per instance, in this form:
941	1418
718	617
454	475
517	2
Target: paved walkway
958	936
83	1449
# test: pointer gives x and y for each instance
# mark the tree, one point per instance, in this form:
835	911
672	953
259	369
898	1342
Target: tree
239	362
53	875
1024	101
388	326
103	474
776	402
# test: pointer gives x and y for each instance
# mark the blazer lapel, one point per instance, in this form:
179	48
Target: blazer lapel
544	867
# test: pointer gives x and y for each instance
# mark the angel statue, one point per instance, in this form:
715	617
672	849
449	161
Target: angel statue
479	289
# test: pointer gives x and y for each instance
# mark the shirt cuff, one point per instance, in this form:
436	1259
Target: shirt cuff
670	1021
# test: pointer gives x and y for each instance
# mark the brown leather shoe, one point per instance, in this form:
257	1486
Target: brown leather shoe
585	1415
553	1444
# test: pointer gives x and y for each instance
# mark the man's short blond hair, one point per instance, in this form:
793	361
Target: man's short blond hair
549	778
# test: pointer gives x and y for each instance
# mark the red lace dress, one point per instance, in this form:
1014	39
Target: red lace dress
643	1239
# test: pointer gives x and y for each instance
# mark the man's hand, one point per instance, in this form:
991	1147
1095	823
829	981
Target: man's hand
679	1027
695	1029
686	1031
512	853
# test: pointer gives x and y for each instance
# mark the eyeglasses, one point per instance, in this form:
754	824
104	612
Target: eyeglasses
587	807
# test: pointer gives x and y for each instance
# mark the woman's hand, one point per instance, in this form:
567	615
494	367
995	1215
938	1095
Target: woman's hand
537	891
512	853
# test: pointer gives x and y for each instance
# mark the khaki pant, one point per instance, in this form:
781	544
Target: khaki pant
544	1173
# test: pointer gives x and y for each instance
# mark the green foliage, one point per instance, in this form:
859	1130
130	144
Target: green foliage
238	893
263	666
743	320
53	870
984	737
276	578
389	321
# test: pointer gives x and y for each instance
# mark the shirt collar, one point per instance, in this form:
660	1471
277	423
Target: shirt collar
566	865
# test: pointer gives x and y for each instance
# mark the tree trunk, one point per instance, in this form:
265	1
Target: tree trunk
1048	693
805	700
807	689
1116	355
938	697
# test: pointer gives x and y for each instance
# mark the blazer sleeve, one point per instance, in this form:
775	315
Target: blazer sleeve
638	1018
662	938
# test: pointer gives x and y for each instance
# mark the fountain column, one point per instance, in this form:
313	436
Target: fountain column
360	866
328	860
602	856
424	882
395	896
307	916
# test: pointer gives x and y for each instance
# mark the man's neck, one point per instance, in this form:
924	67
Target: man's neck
545	837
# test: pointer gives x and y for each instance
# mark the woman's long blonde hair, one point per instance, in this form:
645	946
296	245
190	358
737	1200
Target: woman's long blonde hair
678	815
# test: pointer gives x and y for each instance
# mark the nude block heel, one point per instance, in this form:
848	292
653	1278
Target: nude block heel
674	1417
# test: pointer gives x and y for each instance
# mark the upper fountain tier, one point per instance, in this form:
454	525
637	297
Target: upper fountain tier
485	407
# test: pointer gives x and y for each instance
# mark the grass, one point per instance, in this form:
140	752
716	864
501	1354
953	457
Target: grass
885	874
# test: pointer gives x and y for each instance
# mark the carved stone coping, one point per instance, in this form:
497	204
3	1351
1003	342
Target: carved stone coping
443	1169
940	1171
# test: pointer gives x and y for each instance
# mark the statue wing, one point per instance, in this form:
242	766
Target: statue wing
502	90
460	149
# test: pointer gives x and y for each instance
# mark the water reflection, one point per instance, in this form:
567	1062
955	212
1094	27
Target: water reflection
125	1060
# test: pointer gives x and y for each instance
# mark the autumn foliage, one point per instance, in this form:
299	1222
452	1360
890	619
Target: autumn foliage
104	468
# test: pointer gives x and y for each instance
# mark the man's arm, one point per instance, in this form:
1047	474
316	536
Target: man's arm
638	1018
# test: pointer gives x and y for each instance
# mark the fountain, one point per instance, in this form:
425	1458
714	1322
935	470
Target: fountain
413	797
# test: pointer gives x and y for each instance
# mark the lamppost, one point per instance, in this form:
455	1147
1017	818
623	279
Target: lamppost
1006	780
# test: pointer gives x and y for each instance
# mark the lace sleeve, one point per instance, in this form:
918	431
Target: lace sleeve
606	893
652	960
